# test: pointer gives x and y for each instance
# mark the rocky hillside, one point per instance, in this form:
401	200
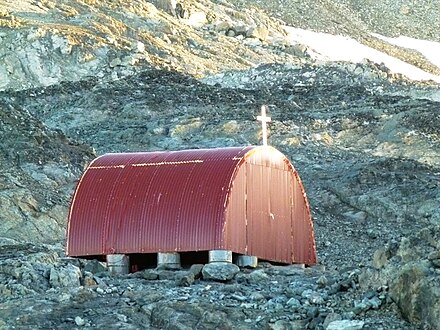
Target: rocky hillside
53	41
81	78
47	42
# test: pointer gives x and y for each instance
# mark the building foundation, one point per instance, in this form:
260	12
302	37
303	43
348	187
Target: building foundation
220	256
168	260
118	264
247	261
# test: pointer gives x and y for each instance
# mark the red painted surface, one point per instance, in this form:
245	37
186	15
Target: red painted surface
248	200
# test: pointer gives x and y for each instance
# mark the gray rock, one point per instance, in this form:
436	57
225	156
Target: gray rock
240	29
312	312
185	279
220	271
307	293
256	296
375	302
406	250
294	303
322	281
316	298
316	321
68	276
230	33
298	50
298	325
222	26
94	266
169	6
413	292
280	325
259	32
330	318
381	257
258	276
88	279
150	274
361	306
357	217
371	278
275	304
196	270
434	257
79	321
171	275
345	325
181	12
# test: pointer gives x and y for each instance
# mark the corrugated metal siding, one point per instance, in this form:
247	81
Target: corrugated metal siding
279	227
258	212
281	210
149	202
302	225
269	213
249	200
235	224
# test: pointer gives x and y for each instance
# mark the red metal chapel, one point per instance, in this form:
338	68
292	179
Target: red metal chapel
248	200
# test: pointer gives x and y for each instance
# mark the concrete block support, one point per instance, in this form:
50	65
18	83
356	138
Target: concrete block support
299	265
118	263
220	256
247	261
169	260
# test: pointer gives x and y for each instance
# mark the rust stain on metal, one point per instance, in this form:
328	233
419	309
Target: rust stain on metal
248	199
102	167
169	163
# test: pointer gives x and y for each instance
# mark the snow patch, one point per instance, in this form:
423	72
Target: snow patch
429	49
328	47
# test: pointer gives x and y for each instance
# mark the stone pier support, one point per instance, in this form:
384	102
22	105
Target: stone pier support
247	261
168	260
118	263
220	256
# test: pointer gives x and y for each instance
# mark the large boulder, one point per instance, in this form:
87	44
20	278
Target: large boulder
169	6
417	293
65	277
220	271
346	325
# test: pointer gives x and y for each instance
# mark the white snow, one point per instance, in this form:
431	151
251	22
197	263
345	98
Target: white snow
327	47
429	49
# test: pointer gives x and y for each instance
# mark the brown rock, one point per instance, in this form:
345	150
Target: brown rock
259	32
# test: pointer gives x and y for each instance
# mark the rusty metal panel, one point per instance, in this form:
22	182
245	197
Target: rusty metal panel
236	221
91	205
200	208
269	224
281	210
257	212
249	200
304	246
150	202
280	227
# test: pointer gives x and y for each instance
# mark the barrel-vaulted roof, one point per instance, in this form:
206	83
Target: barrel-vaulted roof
177	191
178	201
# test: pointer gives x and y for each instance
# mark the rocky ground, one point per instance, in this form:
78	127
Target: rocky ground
365	141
